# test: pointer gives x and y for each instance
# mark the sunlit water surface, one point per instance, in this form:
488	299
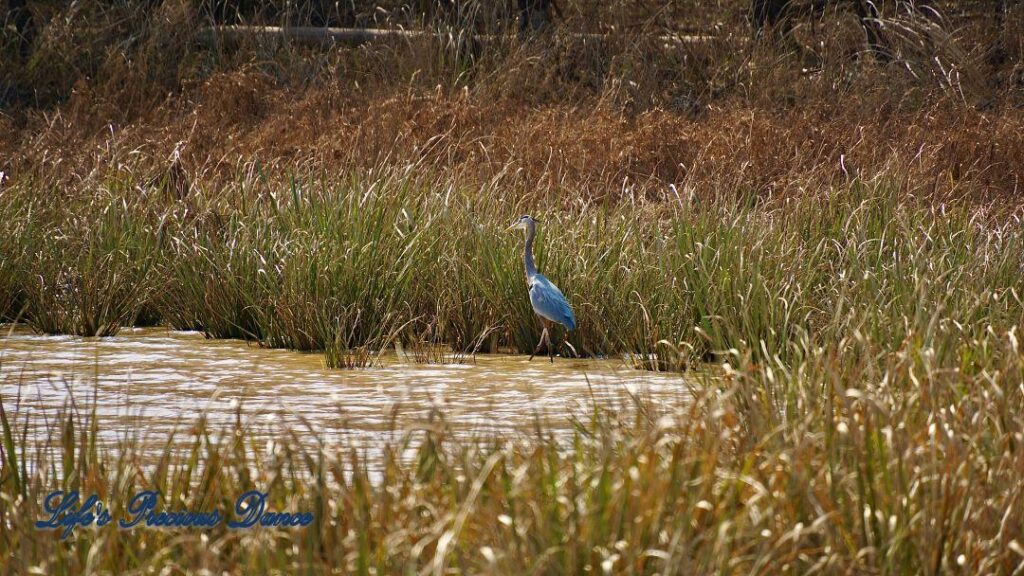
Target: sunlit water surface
149	381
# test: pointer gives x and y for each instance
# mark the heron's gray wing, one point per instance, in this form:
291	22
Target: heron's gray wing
549	302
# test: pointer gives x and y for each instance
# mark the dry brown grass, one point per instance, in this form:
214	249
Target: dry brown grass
620	119
593	150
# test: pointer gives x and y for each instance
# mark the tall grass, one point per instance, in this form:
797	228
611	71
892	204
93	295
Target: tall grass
853	457
606	118
79	267
818	223
357	263
15	222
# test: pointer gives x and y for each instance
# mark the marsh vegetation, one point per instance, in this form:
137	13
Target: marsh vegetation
836	233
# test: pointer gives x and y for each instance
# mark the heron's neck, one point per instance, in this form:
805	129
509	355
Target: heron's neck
531	268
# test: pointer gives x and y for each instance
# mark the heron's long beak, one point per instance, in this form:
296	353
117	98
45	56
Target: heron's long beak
512	227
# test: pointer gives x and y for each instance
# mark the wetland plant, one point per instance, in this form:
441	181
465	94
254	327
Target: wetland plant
855	458
359	263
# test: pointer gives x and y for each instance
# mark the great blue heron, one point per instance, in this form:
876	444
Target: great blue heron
547	300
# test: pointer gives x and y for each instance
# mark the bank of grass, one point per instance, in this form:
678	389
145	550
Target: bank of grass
354	264
605	118
828	236
855	456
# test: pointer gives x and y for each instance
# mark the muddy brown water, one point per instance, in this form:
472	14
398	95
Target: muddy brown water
147	382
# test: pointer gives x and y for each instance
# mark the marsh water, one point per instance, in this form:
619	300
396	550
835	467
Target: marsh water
144	383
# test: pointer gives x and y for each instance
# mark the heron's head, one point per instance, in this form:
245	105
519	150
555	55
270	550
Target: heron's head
524	222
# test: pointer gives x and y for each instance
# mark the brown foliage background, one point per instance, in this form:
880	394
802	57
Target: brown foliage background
125	89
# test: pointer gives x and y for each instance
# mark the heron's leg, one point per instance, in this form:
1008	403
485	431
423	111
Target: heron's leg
543	337
551	350
575	354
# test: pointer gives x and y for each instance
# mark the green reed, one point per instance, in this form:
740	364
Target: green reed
865	417
349	266
81	268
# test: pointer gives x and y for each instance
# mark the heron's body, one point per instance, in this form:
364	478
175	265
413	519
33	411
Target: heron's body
547	300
